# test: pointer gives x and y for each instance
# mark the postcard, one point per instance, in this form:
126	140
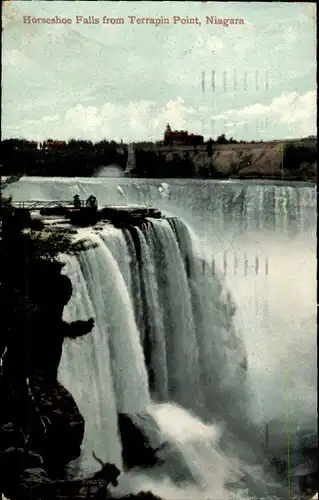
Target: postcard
158	234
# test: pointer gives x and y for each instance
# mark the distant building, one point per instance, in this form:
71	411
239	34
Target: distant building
181	137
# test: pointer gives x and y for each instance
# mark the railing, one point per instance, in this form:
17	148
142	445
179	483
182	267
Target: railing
39	205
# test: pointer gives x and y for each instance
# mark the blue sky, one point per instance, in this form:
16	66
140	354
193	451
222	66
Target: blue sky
126	81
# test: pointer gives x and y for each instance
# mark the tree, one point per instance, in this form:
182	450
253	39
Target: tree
232	141
222	139
295	155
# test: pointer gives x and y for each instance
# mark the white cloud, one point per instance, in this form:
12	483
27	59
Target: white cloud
296	111
84	76
174	112
292	113
142	120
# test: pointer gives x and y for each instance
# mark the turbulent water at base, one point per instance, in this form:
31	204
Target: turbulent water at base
182	307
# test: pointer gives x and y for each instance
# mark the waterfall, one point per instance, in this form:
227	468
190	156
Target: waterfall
218	339
131	160
171	342
116	364
174	301
164	343
207	205
150	312
88	374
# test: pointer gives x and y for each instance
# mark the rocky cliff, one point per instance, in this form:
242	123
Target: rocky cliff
270	160
41	427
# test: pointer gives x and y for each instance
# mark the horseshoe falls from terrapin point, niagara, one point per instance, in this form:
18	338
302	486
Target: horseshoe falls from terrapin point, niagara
179	318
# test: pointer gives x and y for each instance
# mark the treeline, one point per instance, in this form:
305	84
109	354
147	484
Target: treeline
222	139
79	158
76	159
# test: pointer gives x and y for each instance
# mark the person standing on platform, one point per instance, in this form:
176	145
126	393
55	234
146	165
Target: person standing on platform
76	201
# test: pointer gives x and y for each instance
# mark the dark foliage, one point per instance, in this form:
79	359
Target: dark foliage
296	155
76	159
79	158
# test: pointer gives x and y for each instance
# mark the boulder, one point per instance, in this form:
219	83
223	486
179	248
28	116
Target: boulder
137	448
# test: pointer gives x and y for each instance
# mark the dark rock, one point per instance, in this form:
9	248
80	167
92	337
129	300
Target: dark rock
37	224
63	425
143	495
108	473
11	468
34	484
48	291
36	474
121	216
10	436
37	482
54	210
83	216
51	418
13	465
21	218
34	460
38	418
46	355
92	487
137	450
25	459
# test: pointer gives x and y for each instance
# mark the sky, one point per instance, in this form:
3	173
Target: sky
127	81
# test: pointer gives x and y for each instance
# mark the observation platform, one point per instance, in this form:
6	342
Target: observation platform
45	211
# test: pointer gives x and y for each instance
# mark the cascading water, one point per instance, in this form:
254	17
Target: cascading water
167	331
118	346
236	206
176	310
84	367
187	353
